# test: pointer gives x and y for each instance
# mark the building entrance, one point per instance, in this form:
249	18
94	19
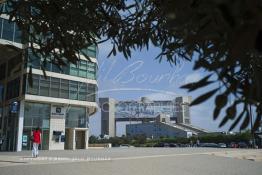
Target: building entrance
10	127
27	143
80	139
76	138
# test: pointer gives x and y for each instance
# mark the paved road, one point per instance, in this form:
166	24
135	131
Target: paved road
133	161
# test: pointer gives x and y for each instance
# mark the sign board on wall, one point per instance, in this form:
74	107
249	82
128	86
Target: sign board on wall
58	111
24	140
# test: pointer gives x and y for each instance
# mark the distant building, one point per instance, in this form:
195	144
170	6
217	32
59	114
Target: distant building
147	111
162	127
108	116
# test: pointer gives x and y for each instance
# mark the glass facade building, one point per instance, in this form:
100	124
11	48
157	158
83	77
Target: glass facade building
9	31
59	103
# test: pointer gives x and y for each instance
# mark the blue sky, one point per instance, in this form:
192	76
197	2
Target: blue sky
143	75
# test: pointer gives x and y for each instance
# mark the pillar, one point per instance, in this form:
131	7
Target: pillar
20	126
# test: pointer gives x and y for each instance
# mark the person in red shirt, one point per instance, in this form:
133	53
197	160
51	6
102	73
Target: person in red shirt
36	138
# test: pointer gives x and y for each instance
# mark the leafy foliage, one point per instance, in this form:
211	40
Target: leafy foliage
140	140
224	37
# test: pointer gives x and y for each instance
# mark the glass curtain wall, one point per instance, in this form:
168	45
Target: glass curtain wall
76	117
10	31
60	88
36	115
83	68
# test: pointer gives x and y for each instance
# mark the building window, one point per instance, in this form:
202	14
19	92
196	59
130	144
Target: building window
44	86
76	117
8	30
91	93
13	89
90	51
82	68
73	86
35	114
65	69
64	91
73	69
46	63
34	60
91	70
55	68
82	91
18	35
55	86
34	89
60	88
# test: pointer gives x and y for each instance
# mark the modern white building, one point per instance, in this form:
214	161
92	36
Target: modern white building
60	103
144	112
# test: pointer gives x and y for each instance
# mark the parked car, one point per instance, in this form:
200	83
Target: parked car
166	144
124	146
242	145
222	145
159	144
173	145
210	145
233	145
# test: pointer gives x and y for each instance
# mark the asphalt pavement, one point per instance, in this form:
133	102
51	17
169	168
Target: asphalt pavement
135	161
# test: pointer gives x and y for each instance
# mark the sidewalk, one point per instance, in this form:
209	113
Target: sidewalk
244	154
57	157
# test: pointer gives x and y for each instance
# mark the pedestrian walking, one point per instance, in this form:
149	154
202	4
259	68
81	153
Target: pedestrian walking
36	139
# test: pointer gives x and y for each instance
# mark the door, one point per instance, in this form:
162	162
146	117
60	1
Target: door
45	139
11	132
80	139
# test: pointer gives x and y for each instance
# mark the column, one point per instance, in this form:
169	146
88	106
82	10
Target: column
74	139
20	126
86	138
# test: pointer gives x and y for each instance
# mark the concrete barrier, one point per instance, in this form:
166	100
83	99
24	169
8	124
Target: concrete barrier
100	145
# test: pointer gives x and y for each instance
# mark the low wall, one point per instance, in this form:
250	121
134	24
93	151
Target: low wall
100	145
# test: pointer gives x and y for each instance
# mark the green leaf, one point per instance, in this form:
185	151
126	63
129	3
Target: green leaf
113	51
201	83
245	122
204	97
223	122
230	114
231	111
257	123
216	113
237	120
220	102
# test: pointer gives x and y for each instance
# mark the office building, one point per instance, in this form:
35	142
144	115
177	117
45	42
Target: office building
60	103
